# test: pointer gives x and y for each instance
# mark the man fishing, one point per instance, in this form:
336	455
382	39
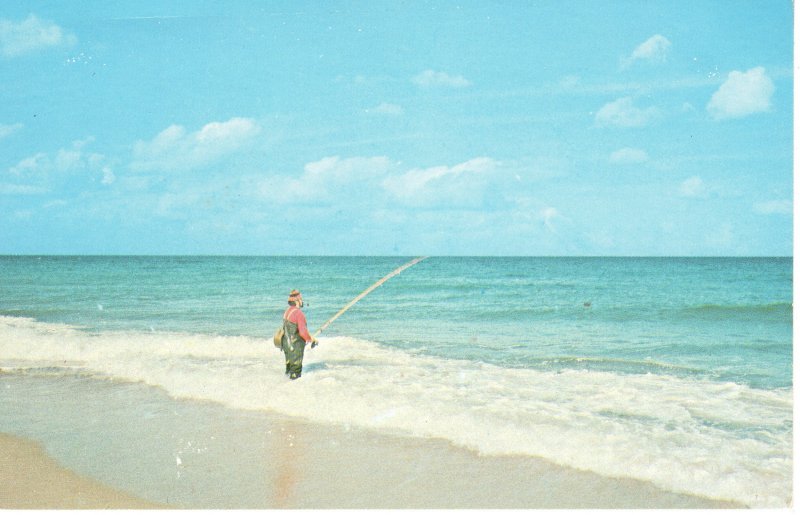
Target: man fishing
295	332
295	335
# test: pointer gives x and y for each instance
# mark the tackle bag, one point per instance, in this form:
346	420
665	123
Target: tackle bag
278	337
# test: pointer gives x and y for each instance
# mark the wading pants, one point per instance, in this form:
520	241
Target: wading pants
293	349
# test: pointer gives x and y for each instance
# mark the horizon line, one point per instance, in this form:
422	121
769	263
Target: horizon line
549	256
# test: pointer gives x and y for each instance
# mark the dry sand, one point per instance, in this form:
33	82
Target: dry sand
29	478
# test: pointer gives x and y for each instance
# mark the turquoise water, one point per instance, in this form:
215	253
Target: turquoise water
726	319
662	369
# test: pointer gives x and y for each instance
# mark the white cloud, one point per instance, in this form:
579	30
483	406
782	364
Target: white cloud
175	149
742	94
463	184
30	165
693	187
430	78
66	160
8	130
549	216
30	35
654	49
108	176
781	207
337	170
628	156
355	179
21	189
377	181
74	161
622	113
386	108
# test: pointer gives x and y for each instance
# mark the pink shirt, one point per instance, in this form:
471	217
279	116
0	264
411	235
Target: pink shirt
294	315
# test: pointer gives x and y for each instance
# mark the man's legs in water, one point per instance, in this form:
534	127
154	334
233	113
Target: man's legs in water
294	360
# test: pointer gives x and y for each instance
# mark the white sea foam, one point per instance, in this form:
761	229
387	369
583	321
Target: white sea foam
719	440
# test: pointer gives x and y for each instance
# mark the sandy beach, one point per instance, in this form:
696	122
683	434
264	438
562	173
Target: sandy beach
430	475
29	478
170	453
331	467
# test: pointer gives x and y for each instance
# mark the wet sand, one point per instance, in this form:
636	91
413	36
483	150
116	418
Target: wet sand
187	454
29	478
323	467
318	468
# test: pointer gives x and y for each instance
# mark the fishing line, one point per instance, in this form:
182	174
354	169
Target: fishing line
367	291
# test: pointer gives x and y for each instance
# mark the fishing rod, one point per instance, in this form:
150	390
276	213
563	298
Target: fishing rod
367	292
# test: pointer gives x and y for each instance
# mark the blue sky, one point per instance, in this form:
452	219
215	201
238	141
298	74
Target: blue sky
396	128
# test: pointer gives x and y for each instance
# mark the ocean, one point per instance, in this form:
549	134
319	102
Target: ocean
674	371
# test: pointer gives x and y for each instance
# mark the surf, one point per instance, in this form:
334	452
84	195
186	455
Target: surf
658	427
